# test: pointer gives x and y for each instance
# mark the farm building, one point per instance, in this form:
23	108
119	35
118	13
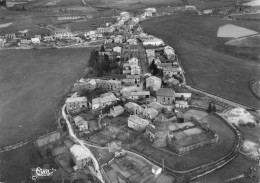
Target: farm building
133	108
155	105
81	123
104	100
137	123
116	111
154	83
76	103
161	123
79	156
165	96
169	52
150	113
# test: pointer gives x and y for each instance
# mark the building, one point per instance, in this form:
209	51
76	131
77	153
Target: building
76	103
104	100
133	108
153	83
153	41
80	157
136	95
35	40
150	113
133	47
116	111
156	170
165	96
155	105
150	132
81	123
118	39
48	38
169	53
91	85
106	29
135	70
152	10
133	61
117	49
137	123
181	104
182	96
108	84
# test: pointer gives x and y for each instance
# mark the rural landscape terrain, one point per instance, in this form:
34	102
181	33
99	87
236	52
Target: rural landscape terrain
129	91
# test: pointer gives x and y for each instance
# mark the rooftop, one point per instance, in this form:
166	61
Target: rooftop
78	152
76	99
137	119
167	92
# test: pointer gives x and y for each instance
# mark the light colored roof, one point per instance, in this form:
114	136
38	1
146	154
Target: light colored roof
155	105
180	102
78	152
151	111
138	93
132	105
136	119
187	95
154	78
233	31
76	99
92	82
78	119
177	126
192	131
167	92
117	108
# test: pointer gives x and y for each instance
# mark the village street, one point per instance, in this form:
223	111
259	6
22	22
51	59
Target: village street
81	142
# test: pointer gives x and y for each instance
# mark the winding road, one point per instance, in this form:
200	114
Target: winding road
81	142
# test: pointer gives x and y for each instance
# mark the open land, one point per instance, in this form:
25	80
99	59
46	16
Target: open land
207	69
32	84
237	167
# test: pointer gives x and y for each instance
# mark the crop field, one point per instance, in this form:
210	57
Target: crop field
32	84
198	156
236	167
194	39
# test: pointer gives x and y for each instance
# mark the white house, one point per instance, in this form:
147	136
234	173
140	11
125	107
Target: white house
169	52
79	156
81	123
35	40
152	10
156	170
117	49
137	123
153	82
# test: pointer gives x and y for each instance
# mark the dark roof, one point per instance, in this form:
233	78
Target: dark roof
167	92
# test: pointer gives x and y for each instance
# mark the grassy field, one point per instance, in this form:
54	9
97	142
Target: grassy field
16	165
236	167
194	39
32	83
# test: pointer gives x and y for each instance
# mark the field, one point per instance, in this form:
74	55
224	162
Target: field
194	39
237	167
198	156
32	84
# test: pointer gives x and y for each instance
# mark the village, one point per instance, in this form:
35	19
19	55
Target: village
138	118
132	117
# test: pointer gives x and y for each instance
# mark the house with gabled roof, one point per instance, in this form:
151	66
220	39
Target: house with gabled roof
165	96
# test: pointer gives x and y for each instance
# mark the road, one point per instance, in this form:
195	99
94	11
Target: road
81	142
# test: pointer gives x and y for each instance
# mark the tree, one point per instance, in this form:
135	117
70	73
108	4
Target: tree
154	68
102	49
209	110
214	109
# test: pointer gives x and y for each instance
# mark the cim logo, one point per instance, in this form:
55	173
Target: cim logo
41	173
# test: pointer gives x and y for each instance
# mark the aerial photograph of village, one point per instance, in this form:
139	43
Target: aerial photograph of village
129	91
